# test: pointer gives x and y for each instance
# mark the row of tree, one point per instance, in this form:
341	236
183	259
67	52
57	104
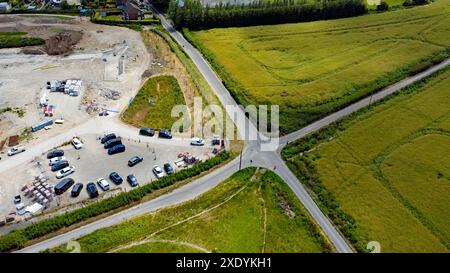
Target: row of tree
18	238
193	15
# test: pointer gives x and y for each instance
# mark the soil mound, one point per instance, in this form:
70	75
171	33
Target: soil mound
62	42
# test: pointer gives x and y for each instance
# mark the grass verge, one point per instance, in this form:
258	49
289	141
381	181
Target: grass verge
21	237
252	211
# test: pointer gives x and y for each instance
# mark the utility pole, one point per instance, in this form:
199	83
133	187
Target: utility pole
240	161
370	101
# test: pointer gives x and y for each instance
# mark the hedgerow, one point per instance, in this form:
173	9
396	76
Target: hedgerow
18	238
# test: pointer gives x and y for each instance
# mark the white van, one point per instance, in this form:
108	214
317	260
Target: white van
16	150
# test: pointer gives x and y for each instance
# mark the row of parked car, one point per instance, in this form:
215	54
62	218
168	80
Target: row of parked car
91	187
113	143
59	164
157	171
151	132
167	134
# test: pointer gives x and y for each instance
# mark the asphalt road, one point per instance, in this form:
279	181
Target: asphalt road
252	152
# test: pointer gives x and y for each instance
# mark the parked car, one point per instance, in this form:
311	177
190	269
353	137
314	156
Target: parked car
158	172
197	141
147	132
116	149
103	184
76	189
17	199
134	160
60	165
55	153
108	137
168	168
16	150
65	172
132	180
112	142
63	185
92	190
76	142
165	134
115	177
55	160
104	114
216	140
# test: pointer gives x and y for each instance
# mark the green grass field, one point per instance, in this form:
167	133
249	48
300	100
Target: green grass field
166	93
18	39
388	168
253	211
371	4
311	69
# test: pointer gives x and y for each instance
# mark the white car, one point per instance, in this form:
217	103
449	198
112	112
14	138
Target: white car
16	150
197	141
55	160
103	184
76	142
65	172
158	172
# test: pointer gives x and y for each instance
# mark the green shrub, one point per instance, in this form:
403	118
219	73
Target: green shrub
17	239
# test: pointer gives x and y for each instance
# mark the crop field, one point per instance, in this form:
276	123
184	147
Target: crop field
18	39
153	104
389	168
311	69
253	211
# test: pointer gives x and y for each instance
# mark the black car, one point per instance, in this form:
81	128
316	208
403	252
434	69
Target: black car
116	149
112	142
92	190
115	177
132	180
104	114
108	137
147	132
55	153
60	165
76	189
168	168
165	134
134	160
63	185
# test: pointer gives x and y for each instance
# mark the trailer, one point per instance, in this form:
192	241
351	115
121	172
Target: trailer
41	125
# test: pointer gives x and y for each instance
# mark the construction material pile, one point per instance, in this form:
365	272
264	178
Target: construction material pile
70	87
62	42
109	94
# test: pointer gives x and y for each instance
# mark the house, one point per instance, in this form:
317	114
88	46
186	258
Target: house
4	6
132	11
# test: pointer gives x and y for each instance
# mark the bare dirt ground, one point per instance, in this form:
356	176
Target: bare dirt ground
84	160
94	59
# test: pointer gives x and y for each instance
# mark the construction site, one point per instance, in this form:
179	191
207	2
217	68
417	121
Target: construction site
107	62
67	94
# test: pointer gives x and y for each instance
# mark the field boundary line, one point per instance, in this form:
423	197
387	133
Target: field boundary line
185	220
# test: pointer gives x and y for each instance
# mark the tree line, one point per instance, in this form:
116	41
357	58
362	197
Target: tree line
19	237
193	15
